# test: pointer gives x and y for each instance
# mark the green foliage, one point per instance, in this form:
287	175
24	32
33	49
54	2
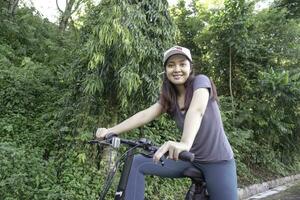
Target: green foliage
77	173
25	175
119	66
124	51
32	53
292	7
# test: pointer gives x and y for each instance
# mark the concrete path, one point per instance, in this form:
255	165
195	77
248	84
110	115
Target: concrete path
270	187
289	191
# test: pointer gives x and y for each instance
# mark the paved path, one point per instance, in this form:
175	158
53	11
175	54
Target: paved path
289	192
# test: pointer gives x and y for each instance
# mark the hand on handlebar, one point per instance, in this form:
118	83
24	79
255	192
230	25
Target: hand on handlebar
101	133
174	149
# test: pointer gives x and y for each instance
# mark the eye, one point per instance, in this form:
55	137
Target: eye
171	65
182	64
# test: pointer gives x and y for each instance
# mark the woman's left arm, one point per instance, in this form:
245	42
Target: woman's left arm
191	126
194	116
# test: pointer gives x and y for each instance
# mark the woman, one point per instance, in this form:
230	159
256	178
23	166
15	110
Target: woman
192	103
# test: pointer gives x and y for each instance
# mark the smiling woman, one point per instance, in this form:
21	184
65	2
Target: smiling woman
191	101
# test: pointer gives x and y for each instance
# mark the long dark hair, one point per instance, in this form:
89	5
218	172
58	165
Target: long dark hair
168	95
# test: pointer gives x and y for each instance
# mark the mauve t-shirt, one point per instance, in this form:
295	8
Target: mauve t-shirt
211	143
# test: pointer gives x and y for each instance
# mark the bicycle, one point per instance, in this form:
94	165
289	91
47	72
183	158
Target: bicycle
197	190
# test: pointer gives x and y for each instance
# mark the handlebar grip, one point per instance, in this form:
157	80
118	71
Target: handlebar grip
110	135
187	156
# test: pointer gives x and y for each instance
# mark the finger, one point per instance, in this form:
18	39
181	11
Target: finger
157	156
176	154
171	153
98	135
160	152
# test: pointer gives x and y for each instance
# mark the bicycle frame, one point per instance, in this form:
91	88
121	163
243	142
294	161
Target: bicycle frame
120	193
115	142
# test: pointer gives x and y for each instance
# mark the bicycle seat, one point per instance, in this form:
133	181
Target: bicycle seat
194	173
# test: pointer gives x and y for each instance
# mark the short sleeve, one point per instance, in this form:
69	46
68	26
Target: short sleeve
201	81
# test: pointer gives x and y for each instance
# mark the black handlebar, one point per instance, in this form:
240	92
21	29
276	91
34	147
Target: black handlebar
144	144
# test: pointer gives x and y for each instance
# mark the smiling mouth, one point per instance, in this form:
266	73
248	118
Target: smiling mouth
177	76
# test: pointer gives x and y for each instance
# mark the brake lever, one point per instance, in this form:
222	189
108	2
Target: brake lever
93	141
162	161
150	155
105	140
98	142
149	147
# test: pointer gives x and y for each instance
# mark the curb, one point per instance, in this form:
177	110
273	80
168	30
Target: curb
251	190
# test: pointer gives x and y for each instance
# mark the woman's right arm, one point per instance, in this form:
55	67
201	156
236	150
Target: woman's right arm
139	119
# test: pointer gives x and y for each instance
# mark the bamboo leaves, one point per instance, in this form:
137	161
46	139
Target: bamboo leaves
127	41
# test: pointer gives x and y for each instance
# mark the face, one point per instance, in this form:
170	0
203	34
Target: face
178	69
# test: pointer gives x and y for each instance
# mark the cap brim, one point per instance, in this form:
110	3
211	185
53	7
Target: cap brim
174	52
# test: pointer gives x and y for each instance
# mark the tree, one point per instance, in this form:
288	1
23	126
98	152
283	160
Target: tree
225	38
118	70
13	4
66	15
292	7
190	22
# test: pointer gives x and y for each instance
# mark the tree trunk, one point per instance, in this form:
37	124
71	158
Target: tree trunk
65	15
63	23
71	7
230	83
12	6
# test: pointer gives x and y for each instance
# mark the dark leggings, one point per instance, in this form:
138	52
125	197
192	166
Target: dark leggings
220	177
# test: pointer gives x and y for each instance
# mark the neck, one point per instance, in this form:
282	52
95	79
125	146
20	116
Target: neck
180	89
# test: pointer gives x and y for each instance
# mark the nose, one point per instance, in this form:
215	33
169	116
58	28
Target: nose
177	68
